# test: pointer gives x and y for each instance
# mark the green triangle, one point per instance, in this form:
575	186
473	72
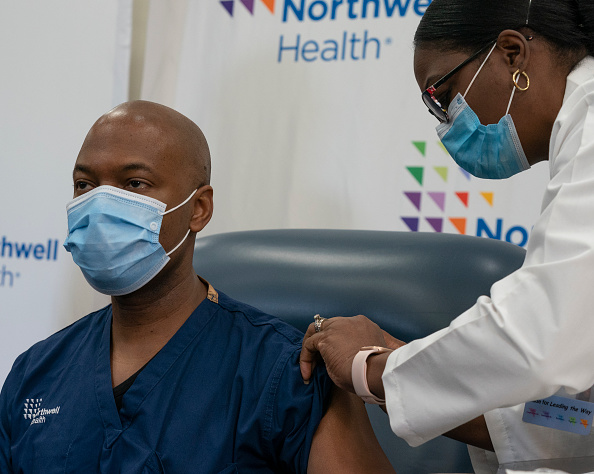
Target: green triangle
417	173
442	171
421	146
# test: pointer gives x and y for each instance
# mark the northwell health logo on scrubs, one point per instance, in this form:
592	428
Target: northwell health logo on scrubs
35	413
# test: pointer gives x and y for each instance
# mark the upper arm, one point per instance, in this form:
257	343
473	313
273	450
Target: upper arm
318	427
344	441
475	433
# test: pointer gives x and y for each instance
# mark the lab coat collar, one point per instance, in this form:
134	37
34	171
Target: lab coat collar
584	71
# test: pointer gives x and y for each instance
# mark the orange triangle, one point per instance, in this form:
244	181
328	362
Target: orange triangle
459	224
488	197
269	4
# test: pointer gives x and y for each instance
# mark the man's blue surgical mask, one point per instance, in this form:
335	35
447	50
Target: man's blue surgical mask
485	151
113	236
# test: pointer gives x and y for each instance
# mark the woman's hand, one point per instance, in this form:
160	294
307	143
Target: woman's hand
392	342
338	342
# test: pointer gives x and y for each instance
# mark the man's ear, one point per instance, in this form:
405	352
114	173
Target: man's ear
203	207
515	48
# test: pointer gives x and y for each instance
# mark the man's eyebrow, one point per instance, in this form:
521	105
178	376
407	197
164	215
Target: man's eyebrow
137	167
80	169
128	167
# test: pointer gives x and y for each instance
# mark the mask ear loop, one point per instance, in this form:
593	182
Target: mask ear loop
179	205
516	86
188	232
479	70
178	245
510	100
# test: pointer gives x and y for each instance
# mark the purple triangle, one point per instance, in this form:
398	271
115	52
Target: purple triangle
415	198
465	173
228	4
436	223
412	223
439	199
249	4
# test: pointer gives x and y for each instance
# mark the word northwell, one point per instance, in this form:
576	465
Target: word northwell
26	250
317	10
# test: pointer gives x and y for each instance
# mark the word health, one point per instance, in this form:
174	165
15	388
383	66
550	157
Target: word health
349	47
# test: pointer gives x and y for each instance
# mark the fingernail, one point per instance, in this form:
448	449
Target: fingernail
306	382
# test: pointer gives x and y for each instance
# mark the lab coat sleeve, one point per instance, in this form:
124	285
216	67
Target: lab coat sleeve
532	336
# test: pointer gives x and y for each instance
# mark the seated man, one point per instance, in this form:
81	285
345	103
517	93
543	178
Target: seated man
173	376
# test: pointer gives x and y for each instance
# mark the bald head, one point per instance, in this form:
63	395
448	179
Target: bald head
142	124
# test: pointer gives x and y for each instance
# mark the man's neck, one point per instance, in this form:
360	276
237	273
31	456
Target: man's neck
145	321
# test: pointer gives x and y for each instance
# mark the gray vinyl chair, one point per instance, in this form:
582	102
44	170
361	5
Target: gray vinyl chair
411	284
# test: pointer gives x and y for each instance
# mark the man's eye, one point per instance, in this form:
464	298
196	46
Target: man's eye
137	185
81	185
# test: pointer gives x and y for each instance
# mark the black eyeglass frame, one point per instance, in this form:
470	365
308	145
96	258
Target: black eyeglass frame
435	108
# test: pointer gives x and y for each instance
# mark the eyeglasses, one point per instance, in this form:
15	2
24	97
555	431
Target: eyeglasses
435	108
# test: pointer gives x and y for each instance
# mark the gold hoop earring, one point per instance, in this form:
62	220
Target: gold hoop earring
515	80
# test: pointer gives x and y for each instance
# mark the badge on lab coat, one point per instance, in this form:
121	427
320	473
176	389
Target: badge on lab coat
560	413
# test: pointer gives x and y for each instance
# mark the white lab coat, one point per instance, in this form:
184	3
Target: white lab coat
534	335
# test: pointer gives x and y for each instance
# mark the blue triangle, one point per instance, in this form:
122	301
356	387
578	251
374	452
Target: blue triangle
412	223
228	5
465	173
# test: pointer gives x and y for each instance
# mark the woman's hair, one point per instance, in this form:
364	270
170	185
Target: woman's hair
468	25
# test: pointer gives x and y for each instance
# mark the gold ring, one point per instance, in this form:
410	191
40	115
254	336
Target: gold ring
318	321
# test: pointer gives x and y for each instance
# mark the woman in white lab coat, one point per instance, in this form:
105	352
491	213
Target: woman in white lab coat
526	68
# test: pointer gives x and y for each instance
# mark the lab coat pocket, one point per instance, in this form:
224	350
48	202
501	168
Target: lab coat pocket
230	469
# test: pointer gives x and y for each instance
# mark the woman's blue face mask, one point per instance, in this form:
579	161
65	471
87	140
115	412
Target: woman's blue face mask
485	151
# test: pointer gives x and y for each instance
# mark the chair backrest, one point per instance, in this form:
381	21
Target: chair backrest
411	284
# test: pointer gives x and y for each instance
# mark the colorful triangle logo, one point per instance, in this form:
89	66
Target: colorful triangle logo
228	5
439	199
443	148
269	4
415	199
465	173
417	173
421	146
463	197
442	171
249	4
488	197
412	223
459	223
436	223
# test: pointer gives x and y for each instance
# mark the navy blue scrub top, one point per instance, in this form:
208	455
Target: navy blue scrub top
224	395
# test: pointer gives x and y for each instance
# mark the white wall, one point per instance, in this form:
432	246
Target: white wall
59	74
